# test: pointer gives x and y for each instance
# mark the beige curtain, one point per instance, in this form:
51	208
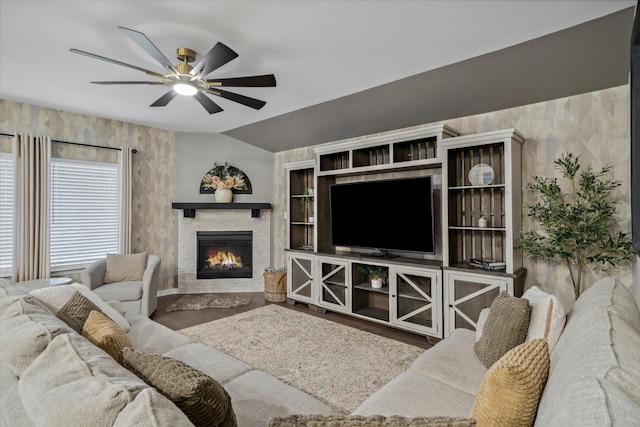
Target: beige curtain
31	165
124	217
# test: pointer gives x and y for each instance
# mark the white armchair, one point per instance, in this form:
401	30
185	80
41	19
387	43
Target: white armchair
137	296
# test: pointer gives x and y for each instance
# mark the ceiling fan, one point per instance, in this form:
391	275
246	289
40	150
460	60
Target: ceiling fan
188	80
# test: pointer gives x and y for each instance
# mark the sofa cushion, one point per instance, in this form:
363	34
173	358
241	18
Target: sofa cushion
546	309
23	338
511	389
212	362
203	399
464	371
125	267
76	311
75	383
123	291
257	397
595	366
12	306
368	421
145	334
415	395
11	410
505	328
106	334
54	297
151	409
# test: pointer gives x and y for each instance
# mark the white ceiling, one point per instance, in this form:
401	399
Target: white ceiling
318	50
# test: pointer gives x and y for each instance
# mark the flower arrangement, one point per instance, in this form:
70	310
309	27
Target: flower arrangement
225	177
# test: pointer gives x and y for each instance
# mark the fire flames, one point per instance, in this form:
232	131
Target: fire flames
223	261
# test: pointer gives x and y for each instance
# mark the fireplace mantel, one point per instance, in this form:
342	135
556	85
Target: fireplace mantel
189	209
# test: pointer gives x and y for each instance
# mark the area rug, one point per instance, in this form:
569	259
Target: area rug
202	301
338	364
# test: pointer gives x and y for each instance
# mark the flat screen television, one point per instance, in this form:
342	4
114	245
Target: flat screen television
384	215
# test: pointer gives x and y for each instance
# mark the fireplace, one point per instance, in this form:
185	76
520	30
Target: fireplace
225	254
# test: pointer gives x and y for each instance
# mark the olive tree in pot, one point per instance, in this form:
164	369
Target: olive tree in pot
577	224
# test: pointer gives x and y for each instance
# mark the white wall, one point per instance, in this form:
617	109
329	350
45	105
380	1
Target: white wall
197	152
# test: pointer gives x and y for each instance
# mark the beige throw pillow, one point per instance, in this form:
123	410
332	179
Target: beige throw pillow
505	328
125	267
511	389
106	334
202	399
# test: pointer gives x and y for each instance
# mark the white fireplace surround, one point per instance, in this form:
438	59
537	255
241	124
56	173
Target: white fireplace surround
222	220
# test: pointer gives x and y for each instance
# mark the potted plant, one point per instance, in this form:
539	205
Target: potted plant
376	274
577	223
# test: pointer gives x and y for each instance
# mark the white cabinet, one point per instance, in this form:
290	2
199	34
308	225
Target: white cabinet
466	293
332	279
300	277
410	298
416	299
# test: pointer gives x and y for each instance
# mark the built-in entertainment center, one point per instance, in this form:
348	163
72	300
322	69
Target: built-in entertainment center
432	209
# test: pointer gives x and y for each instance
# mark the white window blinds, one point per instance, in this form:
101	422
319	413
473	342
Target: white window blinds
6	213
84	212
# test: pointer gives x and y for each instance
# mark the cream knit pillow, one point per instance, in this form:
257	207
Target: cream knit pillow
545	308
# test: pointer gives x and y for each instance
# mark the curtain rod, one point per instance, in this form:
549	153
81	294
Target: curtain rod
76	143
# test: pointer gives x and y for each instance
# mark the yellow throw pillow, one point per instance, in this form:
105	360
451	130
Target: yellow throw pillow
511	389
106	334
125	267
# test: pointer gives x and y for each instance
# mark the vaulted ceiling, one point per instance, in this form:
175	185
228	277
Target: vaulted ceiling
343	68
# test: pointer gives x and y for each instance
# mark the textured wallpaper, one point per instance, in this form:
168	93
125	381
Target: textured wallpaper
594	125
153	221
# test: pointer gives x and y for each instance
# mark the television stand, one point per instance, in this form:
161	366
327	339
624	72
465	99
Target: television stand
379	254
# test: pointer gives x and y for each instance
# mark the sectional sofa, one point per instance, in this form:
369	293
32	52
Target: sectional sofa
51	375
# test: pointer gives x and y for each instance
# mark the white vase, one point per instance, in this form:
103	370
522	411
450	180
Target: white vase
224	195
376	283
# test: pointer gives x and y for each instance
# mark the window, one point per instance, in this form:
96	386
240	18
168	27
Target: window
6	213
84	212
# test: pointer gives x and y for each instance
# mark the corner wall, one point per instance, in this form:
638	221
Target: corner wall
153	221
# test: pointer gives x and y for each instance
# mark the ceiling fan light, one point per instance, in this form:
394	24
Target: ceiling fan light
185	89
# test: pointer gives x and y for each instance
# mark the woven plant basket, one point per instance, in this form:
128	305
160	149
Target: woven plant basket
275	286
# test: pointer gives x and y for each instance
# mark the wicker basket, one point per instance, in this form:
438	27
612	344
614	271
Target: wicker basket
275	286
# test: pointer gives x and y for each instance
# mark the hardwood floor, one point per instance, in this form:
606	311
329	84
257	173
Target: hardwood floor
183	319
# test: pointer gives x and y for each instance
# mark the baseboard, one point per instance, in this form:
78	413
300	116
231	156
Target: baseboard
165	292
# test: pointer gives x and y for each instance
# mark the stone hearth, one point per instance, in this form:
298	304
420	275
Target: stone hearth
222	220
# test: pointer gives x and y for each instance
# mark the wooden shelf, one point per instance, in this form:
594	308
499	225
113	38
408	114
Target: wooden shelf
189	209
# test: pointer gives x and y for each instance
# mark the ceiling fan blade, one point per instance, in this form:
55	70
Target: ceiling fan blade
267	80
128	83
241	99
164	99
113	61
219	55
207	103
144	42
